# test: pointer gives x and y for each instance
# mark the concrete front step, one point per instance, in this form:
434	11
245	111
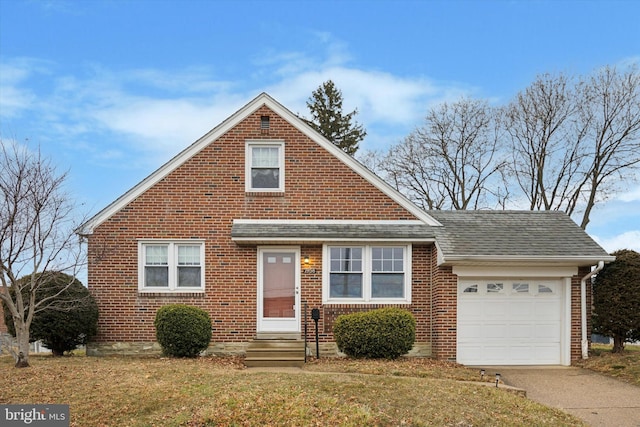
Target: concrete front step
274	363
275	353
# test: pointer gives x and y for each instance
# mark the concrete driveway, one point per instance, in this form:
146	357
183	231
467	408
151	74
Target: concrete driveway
598	400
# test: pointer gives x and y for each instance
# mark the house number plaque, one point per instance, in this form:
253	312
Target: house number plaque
309	271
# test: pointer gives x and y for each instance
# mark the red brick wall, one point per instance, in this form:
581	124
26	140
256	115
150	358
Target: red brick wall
445	308
576	313
200	199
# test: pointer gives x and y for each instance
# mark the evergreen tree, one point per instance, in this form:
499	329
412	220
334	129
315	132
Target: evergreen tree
67	322
616	299
325	105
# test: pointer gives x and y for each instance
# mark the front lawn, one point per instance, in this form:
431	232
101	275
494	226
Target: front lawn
220	392
625	366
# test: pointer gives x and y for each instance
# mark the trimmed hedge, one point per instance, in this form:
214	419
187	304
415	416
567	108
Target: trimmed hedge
182	330
385	333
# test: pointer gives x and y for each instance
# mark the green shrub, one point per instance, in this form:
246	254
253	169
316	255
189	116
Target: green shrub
182	331
383	333
68	320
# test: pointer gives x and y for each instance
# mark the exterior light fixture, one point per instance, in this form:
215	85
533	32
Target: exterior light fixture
497	379
306	259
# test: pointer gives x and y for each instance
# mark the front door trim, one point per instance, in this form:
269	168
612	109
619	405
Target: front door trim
277	325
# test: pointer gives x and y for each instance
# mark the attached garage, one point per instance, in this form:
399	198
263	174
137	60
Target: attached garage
510	321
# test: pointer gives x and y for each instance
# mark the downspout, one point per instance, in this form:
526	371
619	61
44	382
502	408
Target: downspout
583	308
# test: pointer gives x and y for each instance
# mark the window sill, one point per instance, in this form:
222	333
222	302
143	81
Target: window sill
154	293
264	194
363	302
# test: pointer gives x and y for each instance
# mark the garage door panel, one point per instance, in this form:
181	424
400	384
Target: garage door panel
513	327
475	310
470	330
495	353
549	309
520	309
520	353
495	310
493	330
547	332
520	331
547	354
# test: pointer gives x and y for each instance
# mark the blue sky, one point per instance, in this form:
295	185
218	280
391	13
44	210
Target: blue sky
110	90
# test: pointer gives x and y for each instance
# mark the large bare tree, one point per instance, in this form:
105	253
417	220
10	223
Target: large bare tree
546	142
610	115
453	161
575	141
36	236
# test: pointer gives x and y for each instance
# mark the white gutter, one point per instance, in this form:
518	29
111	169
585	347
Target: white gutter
583	308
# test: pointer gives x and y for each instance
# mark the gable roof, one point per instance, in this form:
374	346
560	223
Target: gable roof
518	236
226	125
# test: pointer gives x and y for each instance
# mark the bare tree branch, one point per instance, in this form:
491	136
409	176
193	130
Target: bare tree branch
453	161
36	236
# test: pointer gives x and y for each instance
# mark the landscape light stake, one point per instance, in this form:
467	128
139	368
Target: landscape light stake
481	374
497	379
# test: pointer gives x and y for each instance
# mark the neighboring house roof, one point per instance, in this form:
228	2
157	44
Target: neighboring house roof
229	123
484	236
265	231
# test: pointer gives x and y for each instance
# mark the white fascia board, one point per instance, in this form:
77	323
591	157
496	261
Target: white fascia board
301	240
515	271
549	259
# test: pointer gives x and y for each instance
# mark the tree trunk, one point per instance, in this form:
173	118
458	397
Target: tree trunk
618	344
22	337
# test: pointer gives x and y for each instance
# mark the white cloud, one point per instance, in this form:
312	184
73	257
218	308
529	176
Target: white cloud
631	195
15	97
627	240
165	125
160	112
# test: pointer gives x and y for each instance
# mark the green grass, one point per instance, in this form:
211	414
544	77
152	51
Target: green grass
625	366
220	392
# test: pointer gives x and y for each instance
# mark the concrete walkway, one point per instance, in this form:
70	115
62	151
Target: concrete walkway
598	400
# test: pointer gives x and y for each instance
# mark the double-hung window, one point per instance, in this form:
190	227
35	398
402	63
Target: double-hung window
171	266
264	166
367	273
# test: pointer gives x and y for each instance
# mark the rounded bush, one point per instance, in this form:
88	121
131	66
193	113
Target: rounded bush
385	333
182	330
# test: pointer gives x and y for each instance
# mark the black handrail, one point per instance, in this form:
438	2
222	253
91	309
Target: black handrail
305	331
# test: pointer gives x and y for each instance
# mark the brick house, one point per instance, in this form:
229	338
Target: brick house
262	220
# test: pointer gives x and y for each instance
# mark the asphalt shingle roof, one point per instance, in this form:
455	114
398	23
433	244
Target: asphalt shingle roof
513	233
266	231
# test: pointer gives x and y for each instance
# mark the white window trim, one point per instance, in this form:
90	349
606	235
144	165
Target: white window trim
249	144
366	275
173	266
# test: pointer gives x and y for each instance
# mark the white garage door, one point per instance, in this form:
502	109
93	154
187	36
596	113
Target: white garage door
509	322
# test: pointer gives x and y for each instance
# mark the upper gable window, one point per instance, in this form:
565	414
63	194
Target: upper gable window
265	166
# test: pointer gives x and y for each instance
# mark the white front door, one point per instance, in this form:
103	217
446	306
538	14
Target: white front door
279	289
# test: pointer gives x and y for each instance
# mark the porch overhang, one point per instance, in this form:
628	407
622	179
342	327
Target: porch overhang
252	232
